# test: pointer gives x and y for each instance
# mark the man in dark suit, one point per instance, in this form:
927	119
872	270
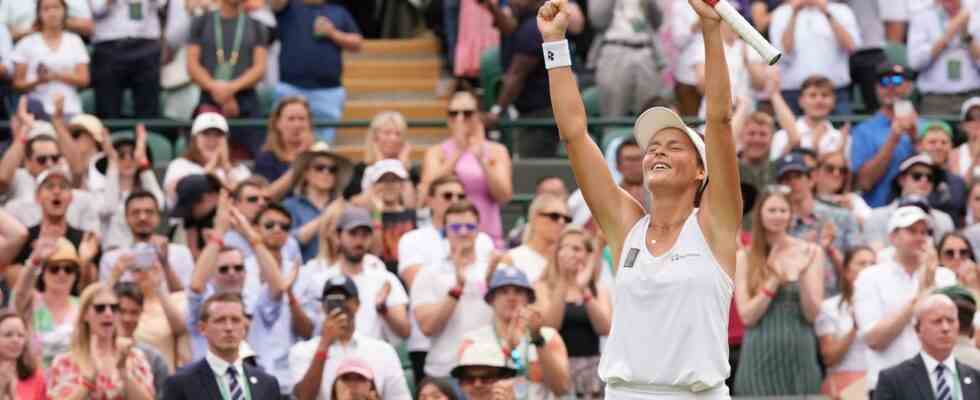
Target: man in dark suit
221	374
933	374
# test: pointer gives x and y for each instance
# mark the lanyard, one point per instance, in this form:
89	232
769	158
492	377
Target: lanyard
220	42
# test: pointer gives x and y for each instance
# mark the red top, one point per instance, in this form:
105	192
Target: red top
32	388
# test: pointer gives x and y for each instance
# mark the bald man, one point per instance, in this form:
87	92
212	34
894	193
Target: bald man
934	373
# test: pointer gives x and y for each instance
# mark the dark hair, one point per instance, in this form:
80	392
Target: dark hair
960	236
817	82
846	287
29	146
333	387
223	297
257	181
37	12
442	384
129	290
629	141
276	207
26	362
442	180
461	207
141	194
75	289
965	311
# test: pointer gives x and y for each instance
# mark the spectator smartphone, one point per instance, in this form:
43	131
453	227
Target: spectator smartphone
333	301
144	256
904	108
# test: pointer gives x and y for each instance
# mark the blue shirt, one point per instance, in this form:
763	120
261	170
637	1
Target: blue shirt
308	61
869	137
526	41
303	212
269	166
235	240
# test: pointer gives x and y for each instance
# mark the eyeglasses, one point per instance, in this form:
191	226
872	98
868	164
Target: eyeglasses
256	199
225	269
834	169
918	176
467	113
101	308
461	229
556	217
467	379
891	80
77	133
48	158
284	226
325	167
956	253
449	196
57	269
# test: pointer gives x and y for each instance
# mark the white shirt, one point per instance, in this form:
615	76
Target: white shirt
738	57
835	321
940	75
949	373
816	50
178	255
882	290
529	261
181	167
831	140
220	369
31	51
688	42
389	378
113	23
900	10
23	186
6	48
872	28
81	213
314	276
20	14
432	286
111	205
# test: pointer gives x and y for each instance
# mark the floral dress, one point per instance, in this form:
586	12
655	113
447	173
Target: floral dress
65	377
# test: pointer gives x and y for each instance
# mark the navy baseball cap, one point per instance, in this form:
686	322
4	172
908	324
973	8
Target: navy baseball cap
340	283
509	276
792	162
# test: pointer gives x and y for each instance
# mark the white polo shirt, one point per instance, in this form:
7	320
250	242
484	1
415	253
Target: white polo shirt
389	377
830	141
954	70
882	290
816	50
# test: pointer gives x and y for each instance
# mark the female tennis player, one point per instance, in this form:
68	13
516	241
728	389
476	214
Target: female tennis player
674	285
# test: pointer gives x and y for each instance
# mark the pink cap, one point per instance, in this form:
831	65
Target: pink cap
356	366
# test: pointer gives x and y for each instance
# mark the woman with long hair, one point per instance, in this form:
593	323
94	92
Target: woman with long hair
547	217
575	302
207	153
832	184
51	61
99	364
675	262
778	291
20	376
842	350
436	389
45	296
290	133
319	179
956	253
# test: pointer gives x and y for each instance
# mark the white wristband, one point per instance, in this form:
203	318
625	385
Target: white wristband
556	54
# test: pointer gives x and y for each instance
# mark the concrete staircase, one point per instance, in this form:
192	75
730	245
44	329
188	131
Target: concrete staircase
400	75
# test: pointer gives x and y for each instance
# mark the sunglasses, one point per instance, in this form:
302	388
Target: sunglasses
225	269
462	229
325	167
77	133
473	379
834	169
57	269
918	176
101	308
891	80
48	158
449	196
467	114
556	217
255	199
956	253
283	226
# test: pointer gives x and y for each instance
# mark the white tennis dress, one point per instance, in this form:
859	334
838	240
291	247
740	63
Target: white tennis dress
669	337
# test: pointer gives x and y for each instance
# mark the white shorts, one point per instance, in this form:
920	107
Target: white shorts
618	392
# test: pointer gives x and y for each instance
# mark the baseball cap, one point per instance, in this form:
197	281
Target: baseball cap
52	172
793	162
354	217
355	365
482	354
509	276
932	125
190	190
209	120
64	250
921	158
656	119
340	283
957	293
90	124
890	68
388	166
967	105
906	216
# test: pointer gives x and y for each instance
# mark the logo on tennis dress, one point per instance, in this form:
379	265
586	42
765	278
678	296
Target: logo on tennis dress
678	257
631	257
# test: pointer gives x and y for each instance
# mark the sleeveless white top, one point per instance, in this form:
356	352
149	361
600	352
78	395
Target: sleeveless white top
670	316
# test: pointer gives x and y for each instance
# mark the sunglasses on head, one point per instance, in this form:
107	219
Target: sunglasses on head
834	169
48	158
556	217
57	269
956	253
101	308
255	199
225	269
270	225
891	80
461	229
467	114
450	196
918	176
325	167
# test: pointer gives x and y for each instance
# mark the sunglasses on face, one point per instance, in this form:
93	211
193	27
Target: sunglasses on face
256	199
101	308
450	196
325	167
473	379
918	176
834	169
77	133
891	80
467	114
225	269
556	217
956	253
57	269
461	229
270	225
48	158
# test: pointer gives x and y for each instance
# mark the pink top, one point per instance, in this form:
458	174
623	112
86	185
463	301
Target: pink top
477	189
32	388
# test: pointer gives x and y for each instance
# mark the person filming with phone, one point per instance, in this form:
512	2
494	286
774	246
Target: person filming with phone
314	363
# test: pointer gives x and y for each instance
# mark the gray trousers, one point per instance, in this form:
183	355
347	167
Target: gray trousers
629	80
944	104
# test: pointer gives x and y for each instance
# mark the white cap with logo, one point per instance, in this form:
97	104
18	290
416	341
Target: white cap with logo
209	120
906	216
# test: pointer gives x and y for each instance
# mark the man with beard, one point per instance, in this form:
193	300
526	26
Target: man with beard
385	311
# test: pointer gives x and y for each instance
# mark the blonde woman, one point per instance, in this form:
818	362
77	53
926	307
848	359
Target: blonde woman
386	139
573	301
547	217
99	365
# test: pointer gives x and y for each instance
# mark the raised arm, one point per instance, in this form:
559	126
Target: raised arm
12	237
722	198
613	208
